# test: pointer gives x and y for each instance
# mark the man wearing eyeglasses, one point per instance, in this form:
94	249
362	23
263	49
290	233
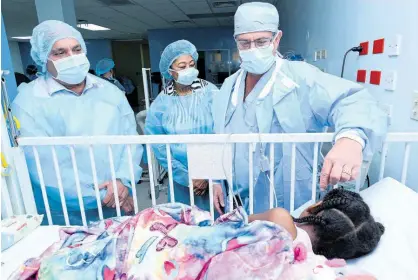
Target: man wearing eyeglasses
272	95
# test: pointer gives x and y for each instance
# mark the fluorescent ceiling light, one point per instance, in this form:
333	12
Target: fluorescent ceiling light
92	27
22	37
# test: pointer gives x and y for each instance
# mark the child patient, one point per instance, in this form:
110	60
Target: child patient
339	226
176	241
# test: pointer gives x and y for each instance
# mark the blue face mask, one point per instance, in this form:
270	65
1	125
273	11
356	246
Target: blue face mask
187	76
257	61
73	69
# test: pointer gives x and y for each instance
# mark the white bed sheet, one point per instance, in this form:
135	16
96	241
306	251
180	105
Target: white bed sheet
396	256
391	203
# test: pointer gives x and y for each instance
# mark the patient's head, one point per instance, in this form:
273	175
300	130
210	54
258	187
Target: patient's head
340	226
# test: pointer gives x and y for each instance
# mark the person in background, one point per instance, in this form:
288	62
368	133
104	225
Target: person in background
105	70
21	79
272	95
67	101
183	107
31	71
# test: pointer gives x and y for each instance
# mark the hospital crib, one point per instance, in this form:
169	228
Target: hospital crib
160	174
209	157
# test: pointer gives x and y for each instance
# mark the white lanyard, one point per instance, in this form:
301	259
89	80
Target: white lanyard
267	88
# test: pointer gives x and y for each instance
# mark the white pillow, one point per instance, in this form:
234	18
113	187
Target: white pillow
396	207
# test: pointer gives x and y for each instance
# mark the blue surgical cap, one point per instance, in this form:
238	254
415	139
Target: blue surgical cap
256	17
45	35
104	66
172	52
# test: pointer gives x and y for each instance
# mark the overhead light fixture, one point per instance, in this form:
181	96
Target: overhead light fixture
22	37
92	27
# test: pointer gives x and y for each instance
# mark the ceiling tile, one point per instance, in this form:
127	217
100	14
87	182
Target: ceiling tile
88	3
200	7
164	9
205	22
184	25
226	21
224	10
103	12
186	1
144	15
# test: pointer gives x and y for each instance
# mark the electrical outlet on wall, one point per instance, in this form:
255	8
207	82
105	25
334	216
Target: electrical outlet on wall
317	55
389	80
324	54
414	113
394	45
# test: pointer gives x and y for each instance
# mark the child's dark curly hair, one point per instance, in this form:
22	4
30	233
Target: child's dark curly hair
343	226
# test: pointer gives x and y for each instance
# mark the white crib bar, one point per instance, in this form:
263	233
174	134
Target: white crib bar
95	182
115	185
231	183
191	191
383	160
77	183
170	172
60	187
272	191
251	177
25	183
405	163
315	171
42	182
151	174
133	180
292	178
5	198
359	180
212	210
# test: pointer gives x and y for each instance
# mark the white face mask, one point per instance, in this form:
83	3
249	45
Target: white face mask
257	61
72	69
187	76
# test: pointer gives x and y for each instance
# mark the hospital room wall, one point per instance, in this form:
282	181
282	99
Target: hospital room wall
339	25
96	50
7	64
16	59
210	38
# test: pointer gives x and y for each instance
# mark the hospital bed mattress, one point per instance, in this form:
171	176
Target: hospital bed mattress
396	207
391	203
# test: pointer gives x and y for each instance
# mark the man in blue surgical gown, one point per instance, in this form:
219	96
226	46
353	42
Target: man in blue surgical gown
272	95
67	101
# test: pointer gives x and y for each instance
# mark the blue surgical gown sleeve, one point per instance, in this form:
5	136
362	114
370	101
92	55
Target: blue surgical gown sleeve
154	126
342	104
129	128
30	126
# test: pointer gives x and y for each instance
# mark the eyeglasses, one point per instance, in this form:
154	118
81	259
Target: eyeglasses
260	43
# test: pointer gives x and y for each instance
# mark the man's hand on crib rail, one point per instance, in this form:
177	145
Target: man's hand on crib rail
109	199
128	206
200	187
218	198
342	163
